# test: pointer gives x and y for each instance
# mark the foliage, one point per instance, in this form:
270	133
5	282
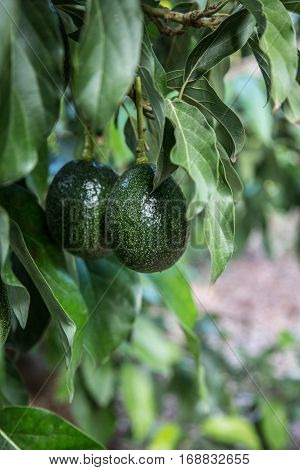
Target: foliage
67	71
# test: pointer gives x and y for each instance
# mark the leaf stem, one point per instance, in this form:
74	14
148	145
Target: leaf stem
140	149
88	150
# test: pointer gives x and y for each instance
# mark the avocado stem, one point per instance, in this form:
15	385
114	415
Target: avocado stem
140	149
87	153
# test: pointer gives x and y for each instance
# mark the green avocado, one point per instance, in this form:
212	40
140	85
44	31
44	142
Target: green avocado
5	313
148	230
75	207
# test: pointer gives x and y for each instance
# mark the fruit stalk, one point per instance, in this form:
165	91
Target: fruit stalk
140	149
87	153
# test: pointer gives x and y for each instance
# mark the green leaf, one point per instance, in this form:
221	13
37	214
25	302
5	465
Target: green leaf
231	430
182	304
45	264
139	399
230	36
278	43
37	429
291	106
263	62
195	151
201	94
154	81
164	165
113	294
292	5
219	222
231	175
37	180
11	387
166	438
17	295
99	381
274	424
106	58
31	83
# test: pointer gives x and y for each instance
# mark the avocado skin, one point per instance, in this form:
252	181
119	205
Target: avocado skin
5	313
148	229
75	207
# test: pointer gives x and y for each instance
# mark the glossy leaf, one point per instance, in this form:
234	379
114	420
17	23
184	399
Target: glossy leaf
228	38
278	43
113	294
219	221
231	430
195	151
138	399
31	84
263	62
155	82
46	266
37	429
106	58
201	94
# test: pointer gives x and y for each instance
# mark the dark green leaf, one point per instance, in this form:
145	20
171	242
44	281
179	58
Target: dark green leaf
164	165
230	36
37	429
113	294
45	264
31	83
262	60
292	5
106	58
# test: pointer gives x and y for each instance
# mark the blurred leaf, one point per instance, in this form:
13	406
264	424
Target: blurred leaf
139	400
195	151
155	82
152	347
278	43
31	83
166	438
12	387
291	106
38	429
99	381
219	220
228	38
4	236
292	5
113	294
106	58
263	62
231	430
37	180
274	423
45	264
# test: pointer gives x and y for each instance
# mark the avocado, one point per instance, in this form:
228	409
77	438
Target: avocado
75	207
5	313
148	230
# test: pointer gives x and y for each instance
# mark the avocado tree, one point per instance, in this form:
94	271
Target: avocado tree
122	100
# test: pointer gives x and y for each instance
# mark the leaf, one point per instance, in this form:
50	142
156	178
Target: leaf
99	381
229	37
263	62
37	180
164	165
166	438
113	294
182	304
106	58
37	429
292	5
231	430
274	424
278	43
195	151
12	388
138	399
219	220
45	264
201	94
31	84
231	175
291	106
17	295
154	81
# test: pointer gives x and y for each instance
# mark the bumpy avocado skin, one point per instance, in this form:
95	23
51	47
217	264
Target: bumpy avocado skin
148	229
5	313
75	207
